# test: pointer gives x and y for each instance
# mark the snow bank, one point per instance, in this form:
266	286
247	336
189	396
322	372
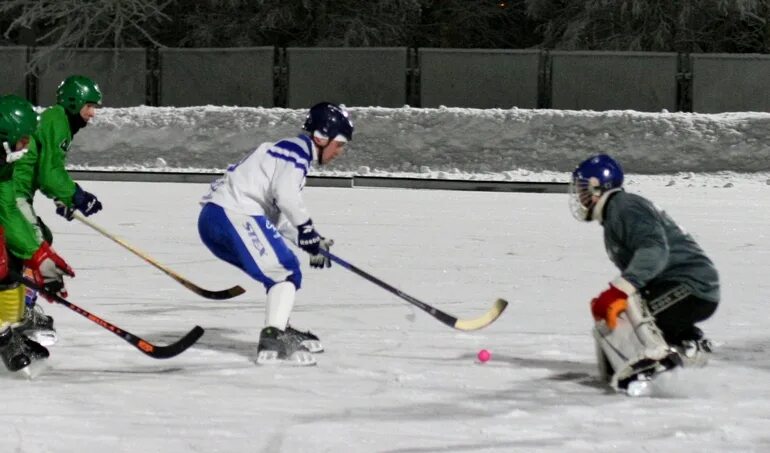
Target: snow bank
453	140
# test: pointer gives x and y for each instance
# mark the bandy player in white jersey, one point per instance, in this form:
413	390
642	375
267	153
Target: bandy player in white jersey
256	207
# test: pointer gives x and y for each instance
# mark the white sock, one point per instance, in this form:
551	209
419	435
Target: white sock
280	301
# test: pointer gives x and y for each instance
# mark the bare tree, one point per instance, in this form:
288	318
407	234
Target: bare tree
653	25
69	24
236	23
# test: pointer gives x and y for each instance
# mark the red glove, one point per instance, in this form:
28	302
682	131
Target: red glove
612	302
49	269
3	255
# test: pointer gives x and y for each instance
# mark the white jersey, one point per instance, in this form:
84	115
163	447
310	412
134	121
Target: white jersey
268	182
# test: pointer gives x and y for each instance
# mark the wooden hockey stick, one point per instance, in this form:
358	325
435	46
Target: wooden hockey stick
152	350
461	324
218	295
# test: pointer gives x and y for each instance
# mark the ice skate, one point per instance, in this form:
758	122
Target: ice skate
38	326
695	353
694	348
639	381
12	350
38	355
21	355
277	347
307	339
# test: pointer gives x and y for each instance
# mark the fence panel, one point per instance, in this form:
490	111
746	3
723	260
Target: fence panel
371	76
13	79
235	77
644	81
730	83
121	74
480	78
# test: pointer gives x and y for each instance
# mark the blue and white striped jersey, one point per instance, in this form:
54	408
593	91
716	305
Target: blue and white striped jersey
268	181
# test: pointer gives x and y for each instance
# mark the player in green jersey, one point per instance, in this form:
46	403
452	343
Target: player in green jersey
19	244
43	169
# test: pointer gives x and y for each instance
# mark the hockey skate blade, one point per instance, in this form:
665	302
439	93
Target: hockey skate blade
313	346
639	389
297	358
46	337
484	320
33	370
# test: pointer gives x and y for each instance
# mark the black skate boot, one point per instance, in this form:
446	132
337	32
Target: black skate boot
694	348
12	350
38	326
276	346
307	339
35	350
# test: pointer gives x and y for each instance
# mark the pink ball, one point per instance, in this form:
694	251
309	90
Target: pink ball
484	355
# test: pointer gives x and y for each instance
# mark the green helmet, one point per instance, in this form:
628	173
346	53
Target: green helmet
76	91
18	119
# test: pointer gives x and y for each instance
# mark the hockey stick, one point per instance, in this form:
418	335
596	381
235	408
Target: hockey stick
461	324
218	295
154	351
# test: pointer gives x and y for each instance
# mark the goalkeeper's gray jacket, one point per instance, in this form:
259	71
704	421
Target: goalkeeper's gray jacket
649	247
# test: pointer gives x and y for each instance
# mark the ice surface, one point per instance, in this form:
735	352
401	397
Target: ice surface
392	379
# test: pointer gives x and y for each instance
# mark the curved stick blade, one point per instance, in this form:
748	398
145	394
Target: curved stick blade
174	349
484	320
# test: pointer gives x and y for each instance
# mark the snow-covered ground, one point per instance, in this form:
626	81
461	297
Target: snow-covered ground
444	142
393	379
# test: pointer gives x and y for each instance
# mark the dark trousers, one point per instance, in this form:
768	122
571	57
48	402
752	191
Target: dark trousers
676	310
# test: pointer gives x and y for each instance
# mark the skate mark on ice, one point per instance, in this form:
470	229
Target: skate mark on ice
101	375
585	379
550	364
224	341
754	353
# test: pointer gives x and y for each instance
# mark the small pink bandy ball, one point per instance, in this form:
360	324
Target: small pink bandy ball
484	355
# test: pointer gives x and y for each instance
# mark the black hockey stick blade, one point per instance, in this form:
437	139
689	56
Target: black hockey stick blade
152	350
175	348
224	294
460	324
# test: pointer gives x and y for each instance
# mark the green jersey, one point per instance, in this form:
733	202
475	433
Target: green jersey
20	237
42	168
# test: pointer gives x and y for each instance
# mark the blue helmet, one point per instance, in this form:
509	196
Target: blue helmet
592	178
330	121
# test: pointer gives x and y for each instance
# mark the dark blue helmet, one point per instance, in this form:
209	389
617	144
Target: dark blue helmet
330	121
592	178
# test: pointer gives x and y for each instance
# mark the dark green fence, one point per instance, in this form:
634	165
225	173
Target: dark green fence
394	77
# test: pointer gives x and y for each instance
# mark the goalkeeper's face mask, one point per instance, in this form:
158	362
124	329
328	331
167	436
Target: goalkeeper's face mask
583	198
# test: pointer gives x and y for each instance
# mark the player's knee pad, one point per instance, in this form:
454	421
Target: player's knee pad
602	362
280	302
12	304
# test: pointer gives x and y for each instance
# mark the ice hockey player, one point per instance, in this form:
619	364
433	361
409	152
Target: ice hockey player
645	320
253	212
19	245
43	168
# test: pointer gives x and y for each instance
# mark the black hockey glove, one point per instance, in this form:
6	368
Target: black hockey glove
320	261
65	211
85	202
310	241
82	201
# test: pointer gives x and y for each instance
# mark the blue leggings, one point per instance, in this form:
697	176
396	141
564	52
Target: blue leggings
250	243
